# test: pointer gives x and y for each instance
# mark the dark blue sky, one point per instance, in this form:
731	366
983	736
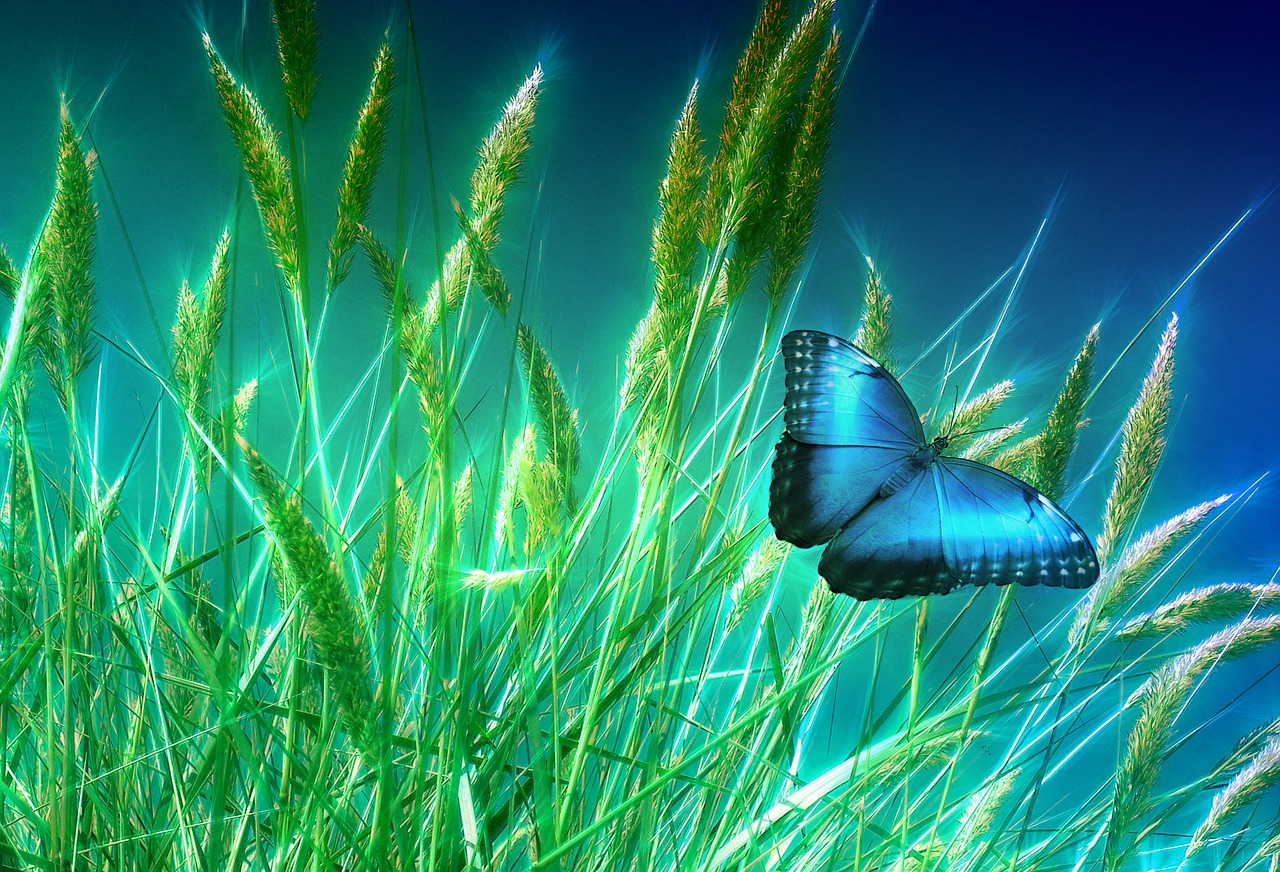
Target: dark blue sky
1150	127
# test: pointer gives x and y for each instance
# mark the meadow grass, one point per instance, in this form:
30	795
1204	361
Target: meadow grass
410	635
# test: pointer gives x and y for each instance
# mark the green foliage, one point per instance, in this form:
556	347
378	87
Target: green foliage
474	634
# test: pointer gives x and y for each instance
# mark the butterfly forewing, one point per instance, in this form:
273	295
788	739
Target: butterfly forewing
837	395
999	530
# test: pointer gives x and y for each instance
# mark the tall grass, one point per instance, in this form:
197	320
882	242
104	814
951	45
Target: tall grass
422	637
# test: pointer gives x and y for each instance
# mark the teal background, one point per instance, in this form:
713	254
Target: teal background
1142	137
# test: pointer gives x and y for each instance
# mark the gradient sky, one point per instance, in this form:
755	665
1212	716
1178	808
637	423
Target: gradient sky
1143	135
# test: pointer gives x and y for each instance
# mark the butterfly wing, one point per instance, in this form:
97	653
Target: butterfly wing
837	395
816	489
849	425
893	548
958	522
1001	530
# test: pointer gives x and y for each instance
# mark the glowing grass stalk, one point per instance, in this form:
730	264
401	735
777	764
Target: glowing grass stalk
1217	602
815	623
969	843
332	621
758	209
1162	697
267	169
961	422
364	156
542	491
241	403
501	158
1262	772
803	179
767	122
423	364
766	41
18	589
557	424
65	252
988	445
484	274
1141	449
9	278
1055	444
389	275
675	233
27	334
464	494
195	336
298	40
1133	567
761	568
875	330
518	459
656	339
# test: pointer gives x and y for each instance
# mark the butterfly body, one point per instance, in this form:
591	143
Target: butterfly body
900	517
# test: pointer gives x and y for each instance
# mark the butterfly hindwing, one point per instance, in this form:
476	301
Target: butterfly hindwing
999	530
837	395
893	548
816	489
956	523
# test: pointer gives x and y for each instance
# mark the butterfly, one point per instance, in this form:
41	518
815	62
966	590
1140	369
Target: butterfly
853	469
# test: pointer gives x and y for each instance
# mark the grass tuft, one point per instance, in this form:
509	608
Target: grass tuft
268	170
298	39
1142	446
364	156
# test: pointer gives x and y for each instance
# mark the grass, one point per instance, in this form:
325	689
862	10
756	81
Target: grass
411	635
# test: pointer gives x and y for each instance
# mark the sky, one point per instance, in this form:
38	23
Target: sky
1141	136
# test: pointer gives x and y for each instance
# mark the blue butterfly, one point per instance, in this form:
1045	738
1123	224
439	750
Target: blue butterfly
853	468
